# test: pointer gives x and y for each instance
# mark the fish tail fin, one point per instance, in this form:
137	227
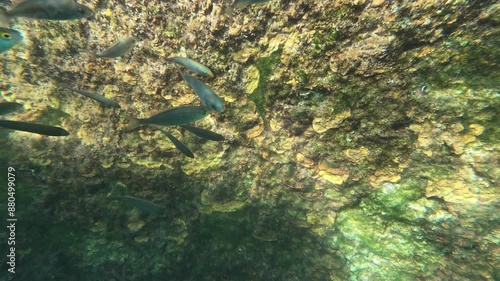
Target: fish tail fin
17	2
229	11
133	123
4	19
92	56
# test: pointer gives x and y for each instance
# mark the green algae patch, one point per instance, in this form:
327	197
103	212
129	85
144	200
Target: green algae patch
266	66
380	250
392	201
223	207
146	160
53	116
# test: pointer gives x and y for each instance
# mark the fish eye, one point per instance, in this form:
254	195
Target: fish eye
6	36
81	10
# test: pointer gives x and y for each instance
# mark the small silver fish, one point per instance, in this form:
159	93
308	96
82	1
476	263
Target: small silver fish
49	10
34	128
172	117
202	133
240	4
120	48
207	96
9	107
192	65
104	101
178	144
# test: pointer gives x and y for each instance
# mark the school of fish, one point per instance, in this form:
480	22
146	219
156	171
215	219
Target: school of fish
60	10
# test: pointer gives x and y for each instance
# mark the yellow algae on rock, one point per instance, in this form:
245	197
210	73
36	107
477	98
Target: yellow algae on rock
322	166
203	162
276	124
326	220
226	97
180	233
141	239
128	78
146	135
106	162
147	161
320	231
333	175
476	129
357	155
99	226
244	54
37	158
282	144
273	44
53	101
265	236
323	124
123	165
306	162
457	142
251	77
88	173
462	188
335	179
135	224
426	137
382	176
107	13
183	100
452	190
226	207
457	127
122	66
255	131
110	91
455	136
88	135
291	47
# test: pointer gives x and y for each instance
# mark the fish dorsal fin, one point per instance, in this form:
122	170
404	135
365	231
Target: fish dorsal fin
16	3
65	3
4	20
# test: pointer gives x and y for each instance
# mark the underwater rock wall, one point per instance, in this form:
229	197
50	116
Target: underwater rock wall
361	142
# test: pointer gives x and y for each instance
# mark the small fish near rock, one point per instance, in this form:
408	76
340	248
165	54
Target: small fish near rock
207	96
49	10
202	133
9	107
192	65
178	144
172	117
104	101
120	48
240	4
34	128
